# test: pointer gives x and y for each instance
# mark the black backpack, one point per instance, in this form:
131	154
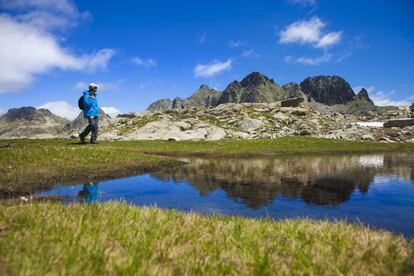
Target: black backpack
80	103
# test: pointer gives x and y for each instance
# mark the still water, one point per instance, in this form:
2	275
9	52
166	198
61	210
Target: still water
377	190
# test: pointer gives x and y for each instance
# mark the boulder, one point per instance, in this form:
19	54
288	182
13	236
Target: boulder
367	137
293	102
399	122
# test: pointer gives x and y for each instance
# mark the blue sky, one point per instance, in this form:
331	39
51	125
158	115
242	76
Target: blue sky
141	51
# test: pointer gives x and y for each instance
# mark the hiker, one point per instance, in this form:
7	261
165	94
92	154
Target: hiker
89	104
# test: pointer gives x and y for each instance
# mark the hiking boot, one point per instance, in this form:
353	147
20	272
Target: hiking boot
82	139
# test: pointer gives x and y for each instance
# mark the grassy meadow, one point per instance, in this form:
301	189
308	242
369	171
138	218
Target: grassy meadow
116	238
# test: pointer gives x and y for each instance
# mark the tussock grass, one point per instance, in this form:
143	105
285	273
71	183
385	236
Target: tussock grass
116	238
30	165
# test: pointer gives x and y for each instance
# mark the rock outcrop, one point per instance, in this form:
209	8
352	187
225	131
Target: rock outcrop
329	90
399	123
292	102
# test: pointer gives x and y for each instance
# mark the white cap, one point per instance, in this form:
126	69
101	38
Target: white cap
92	84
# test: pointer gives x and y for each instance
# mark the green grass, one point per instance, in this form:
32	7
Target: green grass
116	238
29	165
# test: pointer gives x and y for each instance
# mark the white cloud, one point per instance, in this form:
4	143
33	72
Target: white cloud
249	53
28	50
382	98
46	14
2	111
64	6
234	44
303	2
329	39
202	38
62	109
213	68
111	111
309	32
144	62
309	60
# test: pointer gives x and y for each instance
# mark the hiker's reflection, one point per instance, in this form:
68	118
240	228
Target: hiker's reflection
89	193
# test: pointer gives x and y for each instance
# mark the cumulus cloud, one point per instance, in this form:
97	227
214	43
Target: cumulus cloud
382	98
27	49
111	111
212	69
62	109
309	32
309	60
144	62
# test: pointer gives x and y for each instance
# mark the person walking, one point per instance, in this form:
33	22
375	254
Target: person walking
90	108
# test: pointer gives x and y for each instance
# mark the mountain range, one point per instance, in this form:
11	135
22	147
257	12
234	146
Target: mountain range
258	88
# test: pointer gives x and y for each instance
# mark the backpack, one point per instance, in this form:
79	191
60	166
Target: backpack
80	103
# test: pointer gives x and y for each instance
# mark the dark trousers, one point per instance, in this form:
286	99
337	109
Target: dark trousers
92	127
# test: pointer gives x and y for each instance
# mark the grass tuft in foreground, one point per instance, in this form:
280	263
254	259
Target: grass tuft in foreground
118	238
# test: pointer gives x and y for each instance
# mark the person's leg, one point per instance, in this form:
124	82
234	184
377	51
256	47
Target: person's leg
94	135
87	130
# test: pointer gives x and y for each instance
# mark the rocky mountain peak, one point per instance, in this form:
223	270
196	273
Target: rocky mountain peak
160	105
26	113
329	90
363	95
204	87
255	79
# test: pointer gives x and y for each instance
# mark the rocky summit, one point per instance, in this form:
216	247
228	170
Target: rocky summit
329	90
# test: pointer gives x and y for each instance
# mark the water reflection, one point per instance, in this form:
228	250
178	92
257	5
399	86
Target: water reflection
89	193
325	180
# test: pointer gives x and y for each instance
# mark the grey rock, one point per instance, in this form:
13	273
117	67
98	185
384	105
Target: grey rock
293	102
399	122
367	137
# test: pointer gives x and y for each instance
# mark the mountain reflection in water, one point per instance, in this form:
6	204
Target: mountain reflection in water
327	180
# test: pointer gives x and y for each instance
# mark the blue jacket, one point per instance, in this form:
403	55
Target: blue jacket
90	105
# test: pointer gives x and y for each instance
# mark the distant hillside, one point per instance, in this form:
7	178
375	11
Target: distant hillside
30	122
